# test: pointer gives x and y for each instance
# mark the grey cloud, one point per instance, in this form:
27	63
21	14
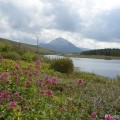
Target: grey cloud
19	19
65	18
105	27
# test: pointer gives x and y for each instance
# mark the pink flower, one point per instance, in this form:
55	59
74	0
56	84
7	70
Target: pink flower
79	82
27	108
39	83
93	115
12	104
5	95
64	108
38	63
1	58
8	81
73	102
16	77
28	83
8	95
20	72
51	80
4	75
16	95
109	117
54	81
49	93
17	66
24	100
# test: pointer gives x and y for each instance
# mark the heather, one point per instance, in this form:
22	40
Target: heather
34	91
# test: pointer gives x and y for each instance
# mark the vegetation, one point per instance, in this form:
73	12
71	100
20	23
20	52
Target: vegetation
63	65
16	50
32	91
106	52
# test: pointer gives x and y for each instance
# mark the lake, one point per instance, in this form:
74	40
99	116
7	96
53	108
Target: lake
106	68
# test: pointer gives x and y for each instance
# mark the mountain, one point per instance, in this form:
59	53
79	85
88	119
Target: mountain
61	45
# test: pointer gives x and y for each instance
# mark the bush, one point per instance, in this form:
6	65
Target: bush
11	55
28	56
63	65
5	47
36	57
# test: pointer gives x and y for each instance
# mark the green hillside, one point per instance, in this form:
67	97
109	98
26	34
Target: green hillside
22	46
16	50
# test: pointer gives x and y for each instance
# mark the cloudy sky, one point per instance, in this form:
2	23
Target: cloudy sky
86	23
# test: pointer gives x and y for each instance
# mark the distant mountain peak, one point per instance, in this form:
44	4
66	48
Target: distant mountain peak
60	40
61	45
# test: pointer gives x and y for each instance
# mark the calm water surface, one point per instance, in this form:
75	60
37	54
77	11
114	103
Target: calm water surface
107	68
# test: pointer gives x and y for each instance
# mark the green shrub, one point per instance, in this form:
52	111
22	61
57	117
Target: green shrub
5	47
11	55
28	56
36	57
63	65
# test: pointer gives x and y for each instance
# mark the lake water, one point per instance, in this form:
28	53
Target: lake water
107	68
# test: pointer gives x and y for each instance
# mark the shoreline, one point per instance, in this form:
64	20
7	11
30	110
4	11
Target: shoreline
94	57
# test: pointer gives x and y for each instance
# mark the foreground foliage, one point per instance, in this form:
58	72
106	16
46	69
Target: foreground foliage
26	93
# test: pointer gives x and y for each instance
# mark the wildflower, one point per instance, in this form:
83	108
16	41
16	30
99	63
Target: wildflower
20	72
24	100
73	102
8	81
51	80
109	117
93	115
54	81
64	108
16	95
79	82
49	93
12	104
8	95
28	83
46	77
38	63
27	108
16	78
17	66
1	58
39	83
5	95
4	75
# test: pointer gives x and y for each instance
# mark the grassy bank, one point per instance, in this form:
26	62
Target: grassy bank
93	56
33	91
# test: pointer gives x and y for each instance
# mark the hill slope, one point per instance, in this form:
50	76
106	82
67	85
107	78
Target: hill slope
61	45
22	46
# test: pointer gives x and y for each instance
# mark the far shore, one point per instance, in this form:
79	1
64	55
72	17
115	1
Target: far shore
94	56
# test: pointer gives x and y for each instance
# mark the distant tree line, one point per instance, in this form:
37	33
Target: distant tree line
107	52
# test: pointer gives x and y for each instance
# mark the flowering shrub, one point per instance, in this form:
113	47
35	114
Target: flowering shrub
26	94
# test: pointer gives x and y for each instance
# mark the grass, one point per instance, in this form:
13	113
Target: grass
32	91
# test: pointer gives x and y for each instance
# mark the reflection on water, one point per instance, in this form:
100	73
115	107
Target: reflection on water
107	68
